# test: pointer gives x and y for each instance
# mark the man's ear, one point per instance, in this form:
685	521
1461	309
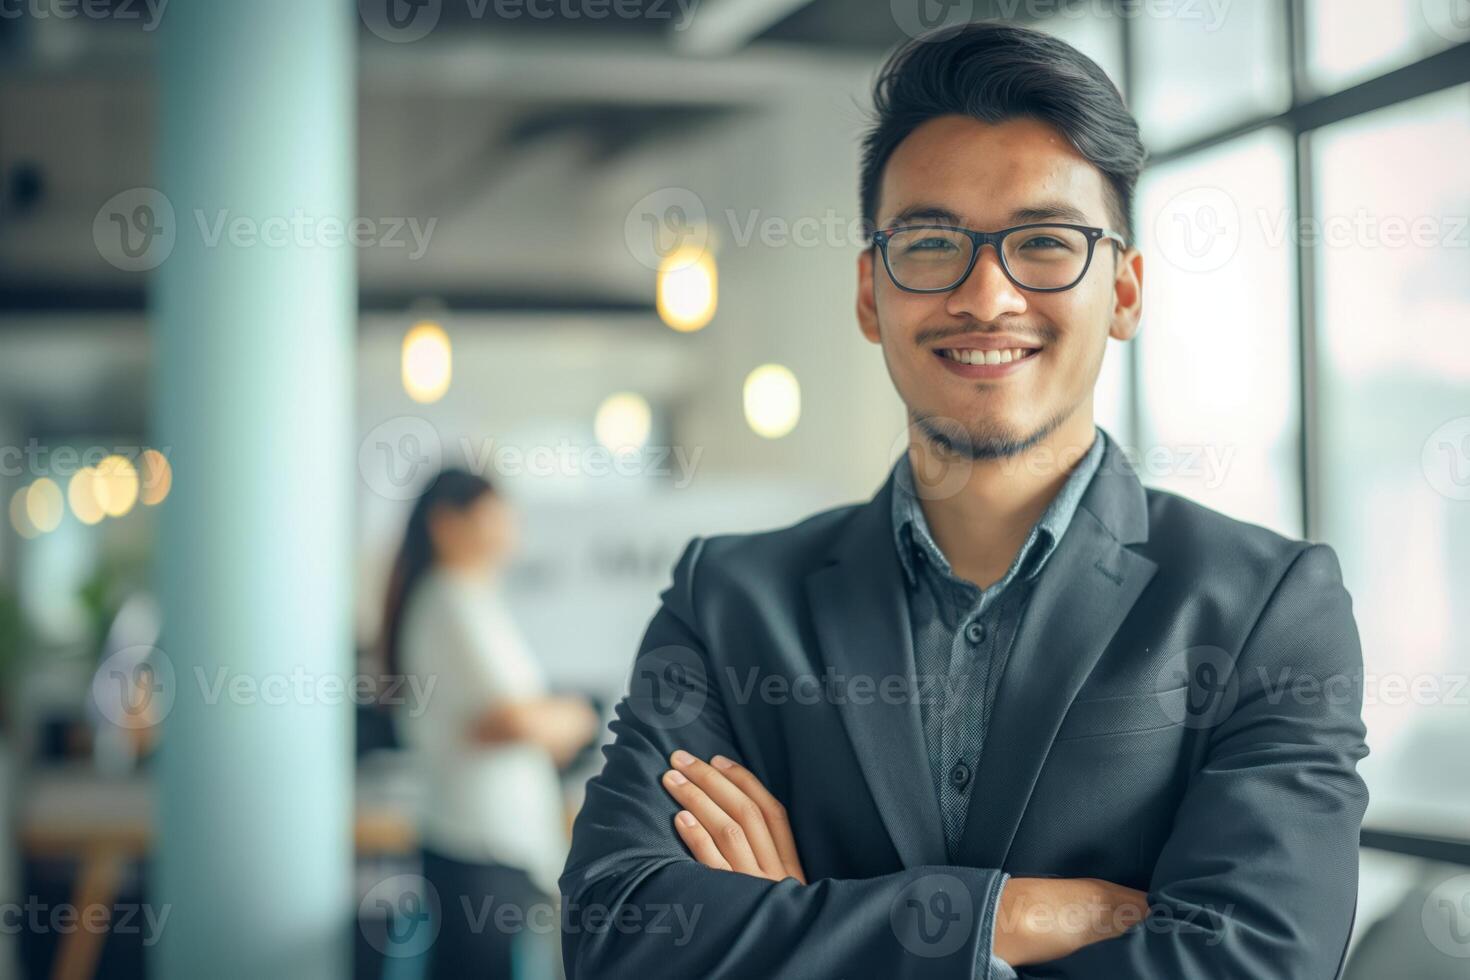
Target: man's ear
867	311
1128	296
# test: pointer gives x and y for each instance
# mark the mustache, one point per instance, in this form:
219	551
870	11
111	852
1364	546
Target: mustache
934	335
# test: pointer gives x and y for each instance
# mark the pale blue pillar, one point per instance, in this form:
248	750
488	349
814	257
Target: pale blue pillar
253	349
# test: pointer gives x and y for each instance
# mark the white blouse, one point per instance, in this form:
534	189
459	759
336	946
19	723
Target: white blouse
486	803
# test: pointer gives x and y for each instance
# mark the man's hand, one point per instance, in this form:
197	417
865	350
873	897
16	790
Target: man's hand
730	822
1041	919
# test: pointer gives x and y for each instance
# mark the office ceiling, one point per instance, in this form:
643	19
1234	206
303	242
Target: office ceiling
505	113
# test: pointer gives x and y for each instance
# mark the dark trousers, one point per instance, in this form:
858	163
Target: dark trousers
485	912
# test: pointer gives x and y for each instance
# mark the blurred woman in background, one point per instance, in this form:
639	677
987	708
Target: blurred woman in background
490	739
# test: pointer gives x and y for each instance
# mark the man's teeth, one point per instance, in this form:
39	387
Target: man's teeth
986	356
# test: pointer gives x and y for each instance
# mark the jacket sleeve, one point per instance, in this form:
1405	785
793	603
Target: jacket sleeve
636	904
1259	876
998	969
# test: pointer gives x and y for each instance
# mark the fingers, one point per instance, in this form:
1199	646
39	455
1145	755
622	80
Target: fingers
730	838
699	842
732	819
777	822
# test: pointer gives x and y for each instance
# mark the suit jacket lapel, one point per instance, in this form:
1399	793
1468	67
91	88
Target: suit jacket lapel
1084	592
860	612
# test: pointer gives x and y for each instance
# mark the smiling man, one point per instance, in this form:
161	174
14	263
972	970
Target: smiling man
1016	714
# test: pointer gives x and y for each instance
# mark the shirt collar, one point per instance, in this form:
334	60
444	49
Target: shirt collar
911	531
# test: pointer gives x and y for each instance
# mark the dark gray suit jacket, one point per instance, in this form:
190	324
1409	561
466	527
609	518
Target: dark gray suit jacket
1181	713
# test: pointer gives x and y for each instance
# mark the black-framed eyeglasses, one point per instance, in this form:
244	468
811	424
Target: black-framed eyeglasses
1042	258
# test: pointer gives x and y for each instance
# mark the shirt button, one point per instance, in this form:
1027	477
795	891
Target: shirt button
960	775
975	632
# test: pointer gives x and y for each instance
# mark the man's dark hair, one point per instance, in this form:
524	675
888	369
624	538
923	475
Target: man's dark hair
992	72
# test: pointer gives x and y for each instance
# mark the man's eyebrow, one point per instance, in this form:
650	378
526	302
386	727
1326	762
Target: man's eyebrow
925	212
1045	211
1050	211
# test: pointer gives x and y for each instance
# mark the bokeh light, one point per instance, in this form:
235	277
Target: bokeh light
81	494
156	477
427	362
623	422
44	505
772	400
116	485
687	289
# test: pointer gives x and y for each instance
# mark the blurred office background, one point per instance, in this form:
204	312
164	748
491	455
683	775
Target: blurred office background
604	252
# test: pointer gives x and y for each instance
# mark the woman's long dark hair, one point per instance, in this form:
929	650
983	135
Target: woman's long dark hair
455	489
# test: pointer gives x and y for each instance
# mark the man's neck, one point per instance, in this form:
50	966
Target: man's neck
980	511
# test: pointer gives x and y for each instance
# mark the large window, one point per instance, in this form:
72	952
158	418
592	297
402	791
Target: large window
1218	343
1307	315
1392	202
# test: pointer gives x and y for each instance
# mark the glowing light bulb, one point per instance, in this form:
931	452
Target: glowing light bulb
772	400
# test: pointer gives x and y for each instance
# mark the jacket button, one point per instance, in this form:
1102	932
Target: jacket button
975	632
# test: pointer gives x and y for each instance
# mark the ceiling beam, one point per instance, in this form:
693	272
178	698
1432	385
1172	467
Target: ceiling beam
18	302
723	27
631	71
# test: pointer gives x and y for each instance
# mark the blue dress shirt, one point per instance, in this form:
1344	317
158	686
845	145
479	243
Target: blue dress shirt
962	636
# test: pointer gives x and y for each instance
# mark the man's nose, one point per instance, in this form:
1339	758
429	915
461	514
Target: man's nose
987	292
